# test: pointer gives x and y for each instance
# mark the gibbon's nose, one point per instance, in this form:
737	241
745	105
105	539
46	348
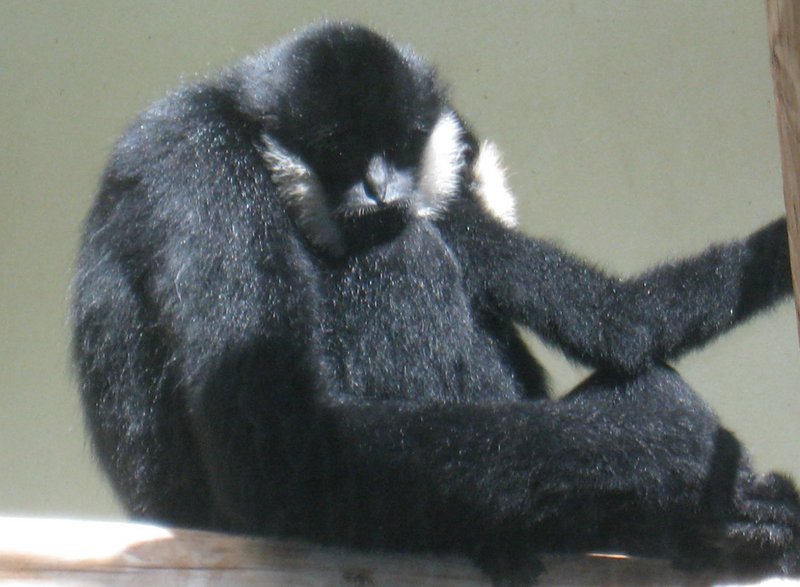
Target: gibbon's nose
377	178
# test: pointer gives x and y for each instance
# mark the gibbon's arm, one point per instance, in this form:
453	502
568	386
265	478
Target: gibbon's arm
185	205
607	322
214	300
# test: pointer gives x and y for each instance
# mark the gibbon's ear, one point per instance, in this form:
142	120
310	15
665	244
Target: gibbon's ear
491	187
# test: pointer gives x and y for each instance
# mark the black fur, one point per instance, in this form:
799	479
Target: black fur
238	376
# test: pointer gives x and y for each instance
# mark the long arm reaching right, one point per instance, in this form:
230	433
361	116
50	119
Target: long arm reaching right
621	324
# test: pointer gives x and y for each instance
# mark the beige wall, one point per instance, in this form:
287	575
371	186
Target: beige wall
635	131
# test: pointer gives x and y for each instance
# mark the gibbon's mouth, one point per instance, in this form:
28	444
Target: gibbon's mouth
366	225
353	212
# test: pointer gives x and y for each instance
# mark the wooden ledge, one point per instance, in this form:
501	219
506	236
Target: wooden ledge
37	552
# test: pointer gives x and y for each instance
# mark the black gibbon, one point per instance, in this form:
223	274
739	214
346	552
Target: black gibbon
296	313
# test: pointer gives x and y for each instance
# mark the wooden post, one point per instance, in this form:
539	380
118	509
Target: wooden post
783	21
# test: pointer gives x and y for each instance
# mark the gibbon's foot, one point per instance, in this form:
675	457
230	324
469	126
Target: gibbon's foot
762	533
758	532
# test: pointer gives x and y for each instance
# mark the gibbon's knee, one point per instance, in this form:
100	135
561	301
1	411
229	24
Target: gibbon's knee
656	384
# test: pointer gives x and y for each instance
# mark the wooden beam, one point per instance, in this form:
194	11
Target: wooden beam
37	552
783	23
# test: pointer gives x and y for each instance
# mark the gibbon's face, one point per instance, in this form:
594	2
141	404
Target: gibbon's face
359	138
344	206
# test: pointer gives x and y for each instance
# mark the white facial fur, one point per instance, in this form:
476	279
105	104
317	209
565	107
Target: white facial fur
441	165
303	196
491	186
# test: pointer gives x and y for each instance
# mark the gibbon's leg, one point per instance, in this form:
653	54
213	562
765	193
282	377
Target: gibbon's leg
637	463
742	521
140	425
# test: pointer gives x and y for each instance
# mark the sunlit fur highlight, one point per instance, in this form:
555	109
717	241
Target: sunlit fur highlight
302	196
440	167
491	185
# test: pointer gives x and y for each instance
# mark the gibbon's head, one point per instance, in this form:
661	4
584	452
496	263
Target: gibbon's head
358	135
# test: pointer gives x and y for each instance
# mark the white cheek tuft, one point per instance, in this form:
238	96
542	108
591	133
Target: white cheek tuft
491	186
302	196
441	165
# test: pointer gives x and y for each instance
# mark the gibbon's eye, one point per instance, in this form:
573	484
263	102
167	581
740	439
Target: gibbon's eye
406	151
415	143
